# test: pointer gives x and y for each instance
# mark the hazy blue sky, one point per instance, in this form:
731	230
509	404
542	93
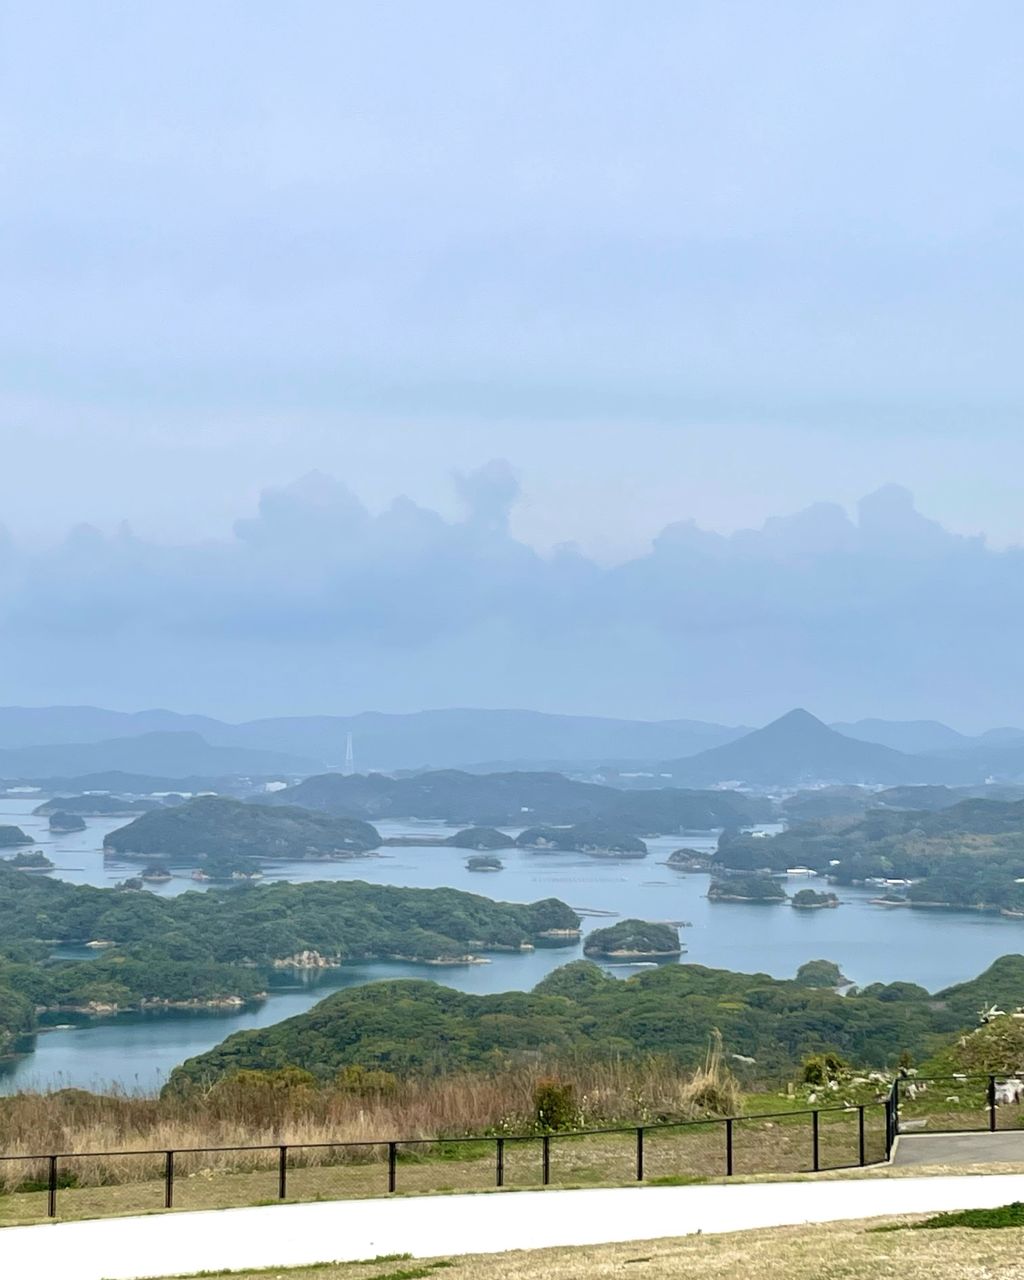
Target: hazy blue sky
671	260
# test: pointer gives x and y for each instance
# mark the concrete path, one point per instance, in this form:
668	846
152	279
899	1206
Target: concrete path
431	1226
960	1148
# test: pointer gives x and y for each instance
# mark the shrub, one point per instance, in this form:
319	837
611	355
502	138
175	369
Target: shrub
822	1068
554	1105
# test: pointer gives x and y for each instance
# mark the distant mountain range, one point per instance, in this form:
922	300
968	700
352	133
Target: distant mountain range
799	748
165	755
923	737
66	742
424	739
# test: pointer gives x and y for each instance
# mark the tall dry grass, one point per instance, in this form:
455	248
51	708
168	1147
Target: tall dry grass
372	1107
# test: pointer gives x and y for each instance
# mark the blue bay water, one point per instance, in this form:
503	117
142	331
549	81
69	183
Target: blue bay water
137	1051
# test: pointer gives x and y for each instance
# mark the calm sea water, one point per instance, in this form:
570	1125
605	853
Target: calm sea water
869	943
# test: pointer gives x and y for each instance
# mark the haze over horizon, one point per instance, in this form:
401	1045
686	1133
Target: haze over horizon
317	605
643	316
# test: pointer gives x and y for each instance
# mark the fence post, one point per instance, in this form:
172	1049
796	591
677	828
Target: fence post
728	1148
499	1163
169	1180
991	1104
640	1153
895	1108
282	1172
51	1199
392	1165
860	1135
545	1160
814	1140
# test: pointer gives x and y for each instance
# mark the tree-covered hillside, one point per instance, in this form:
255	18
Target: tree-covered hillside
216	825
223	945
969	855
502	799
580	1010
634	938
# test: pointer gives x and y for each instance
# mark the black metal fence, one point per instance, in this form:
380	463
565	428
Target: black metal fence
958	1104
104	1183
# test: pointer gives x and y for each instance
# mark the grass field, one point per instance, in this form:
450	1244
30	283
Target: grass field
841	1251
777	1144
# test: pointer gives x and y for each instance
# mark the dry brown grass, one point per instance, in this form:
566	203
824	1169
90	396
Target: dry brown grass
840	1251
257	1114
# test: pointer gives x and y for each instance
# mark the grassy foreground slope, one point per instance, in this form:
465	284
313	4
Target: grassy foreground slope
834	1251
413	1026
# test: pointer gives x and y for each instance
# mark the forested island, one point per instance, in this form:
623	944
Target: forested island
634	940
967	856
12	837
821	973
222	827
34	861
746	889
480	838
96	806
220	947
63	822
813	900
585	837
509	799
689	860
579	1011
484	862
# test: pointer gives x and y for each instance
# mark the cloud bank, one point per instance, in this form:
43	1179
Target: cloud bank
317	603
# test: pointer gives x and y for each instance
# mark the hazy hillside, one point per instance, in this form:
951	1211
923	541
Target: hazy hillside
519	799
914	737
445	738
169	755
224	827
799	748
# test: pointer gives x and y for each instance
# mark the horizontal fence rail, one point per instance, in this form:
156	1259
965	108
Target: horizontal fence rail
958	1104
106	1183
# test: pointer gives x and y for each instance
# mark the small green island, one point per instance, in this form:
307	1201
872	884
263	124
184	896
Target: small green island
747	889
11	837
63	822
226	868
813	900
585	837
219	949
634	940
225	828
31	862
156	874
484	862
95	806
821	973
480	838
691	861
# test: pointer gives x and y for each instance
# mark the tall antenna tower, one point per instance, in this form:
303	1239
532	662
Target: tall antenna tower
350	758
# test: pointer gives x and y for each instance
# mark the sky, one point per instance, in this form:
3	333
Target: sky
552	274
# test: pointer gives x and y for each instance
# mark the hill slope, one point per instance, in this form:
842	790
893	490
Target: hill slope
503	799
413	1026
217	825
174	755
450	737
799	748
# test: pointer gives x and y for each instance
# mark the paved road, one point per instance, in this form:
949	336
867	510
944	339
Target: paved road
959	1148
431	1226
